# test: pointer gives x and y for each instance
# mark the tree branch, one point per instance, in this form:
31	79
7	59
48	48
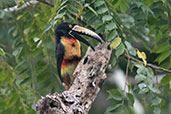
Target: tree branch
89	77
148	64
16	8
45	2
26	4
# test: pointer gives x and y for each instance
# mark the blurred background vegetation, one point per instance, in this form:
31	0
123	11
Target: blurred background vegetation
27	49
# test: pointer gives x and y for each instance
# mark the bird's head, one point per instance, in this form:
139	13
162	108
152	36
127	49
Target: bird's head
71	30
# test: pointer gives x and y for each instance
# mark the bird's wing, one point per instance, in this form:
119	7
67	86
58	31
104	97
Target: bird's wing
59	58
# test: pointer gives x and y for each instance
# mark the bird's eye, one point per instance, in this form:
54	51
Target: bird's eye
70	26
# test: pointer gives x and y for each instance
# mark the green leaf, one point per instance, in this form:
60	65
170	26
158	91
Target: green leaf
158	37
143	88
165	80
147	10
47	27
112	35
23	71
26	31
59	16
139	4
149	71
110	26
128	45
24	81
99	3
142	85
91	9
2	53
95	21
130	98
120	50
107	18
138	65
127	20
21	3
123	7
131	66
2	14
156	101
144	91
17	52
166	64
144	8
154	89
112	108
156	110
102	10
140	77
100	29
15	32
20	64
131	49
161	48
114	94
163	56
57	4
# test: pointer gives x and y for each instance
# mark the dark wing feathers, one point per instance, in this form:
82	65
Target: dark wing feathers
59	58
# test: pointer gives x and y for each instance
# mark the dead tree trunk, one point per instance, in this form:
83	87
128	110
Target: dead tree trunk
89	77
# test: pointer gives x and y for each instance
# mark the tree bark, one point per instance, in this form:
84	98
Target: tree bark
89	77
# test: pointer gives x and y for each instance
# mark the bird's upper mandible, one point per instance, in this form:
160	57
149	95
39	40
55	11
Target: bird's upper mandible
71	30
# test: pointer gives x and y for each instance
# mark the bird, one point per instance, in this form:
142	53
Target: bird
68	49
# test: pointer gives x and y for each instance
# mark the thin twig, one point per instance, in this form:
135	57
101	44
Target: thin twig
45	2
126	80
16	8
148	64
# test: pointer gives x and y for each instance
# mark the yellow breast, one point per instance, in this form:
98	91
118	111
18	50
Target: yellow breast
72	47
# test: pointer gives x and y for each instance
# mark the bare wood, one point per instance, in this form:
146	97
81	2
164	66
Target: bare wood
89	77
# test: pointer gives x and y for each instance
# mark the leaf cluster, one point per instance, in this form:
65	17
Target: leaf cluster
27	50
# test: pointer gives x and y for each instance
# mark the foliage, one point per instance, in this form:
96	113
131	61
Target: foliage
27	61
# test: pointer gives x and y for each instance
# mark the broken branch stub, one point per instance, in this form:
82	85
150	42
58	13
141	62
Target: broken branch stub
89	77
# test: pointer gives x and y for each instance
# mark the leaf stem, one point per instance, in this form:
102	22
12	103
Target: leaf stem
126	79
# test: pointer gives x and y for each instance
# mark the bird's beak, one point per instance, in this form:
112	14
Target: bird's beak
87	32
